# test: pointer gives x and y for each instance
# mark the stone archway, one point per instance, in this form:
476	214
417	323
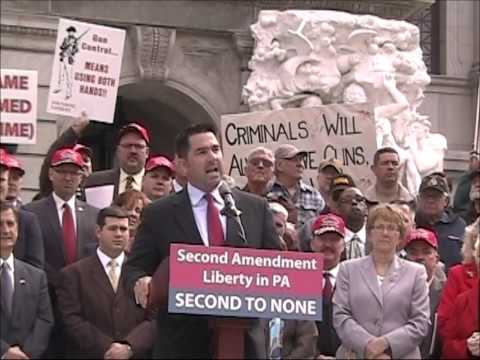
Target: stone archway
164	109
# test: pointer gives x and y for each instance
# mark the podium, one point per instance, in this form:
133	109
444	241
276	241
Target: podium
228	332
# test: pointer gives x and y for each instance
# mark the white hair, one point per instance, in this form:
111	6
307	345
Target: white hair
278	209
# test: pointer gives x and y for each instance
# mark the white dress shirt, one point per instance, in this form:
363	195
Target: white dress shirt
199	207
333	274
176	186
59	205
10	269
105	260
136	184
362	234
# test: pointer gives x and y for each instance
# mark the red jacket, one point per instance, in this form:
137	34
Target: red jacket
461	326
460	279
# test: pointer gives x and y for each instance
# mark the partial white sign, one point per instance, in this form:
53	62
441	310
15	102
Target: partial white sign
344	132
86	70
18	106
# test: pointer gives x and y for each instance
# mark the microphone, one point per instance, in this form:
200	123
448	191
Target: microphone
230	209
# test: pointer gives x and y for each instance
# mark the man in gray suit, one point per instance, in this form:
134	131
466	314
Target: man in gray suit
67	224
421	247
26	313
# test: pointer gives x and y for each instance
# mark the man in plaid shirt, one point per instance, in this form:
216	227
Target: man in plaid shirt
300	199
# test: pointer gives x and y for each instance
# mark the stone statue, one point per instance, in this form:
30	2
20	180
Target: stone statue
310	58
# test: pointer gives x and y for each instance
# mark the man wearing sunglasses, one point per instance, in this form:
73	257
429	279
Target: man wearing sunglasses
259	171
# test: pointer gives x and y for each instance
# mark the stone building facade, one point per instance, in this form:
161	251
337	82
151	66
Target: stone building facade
185	61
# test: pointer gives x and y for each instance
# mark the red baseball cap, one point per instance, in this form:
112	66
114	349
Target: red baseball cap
4	158
67	156
83	149
421	234
329	223
157	161
13	163
136	128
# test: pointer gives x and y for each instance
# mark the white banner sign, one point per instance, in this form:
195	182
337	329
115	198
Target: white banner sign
86	70
344	132
18	107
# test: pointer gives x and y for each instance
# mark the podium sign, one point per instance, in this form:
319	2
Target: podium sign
244	282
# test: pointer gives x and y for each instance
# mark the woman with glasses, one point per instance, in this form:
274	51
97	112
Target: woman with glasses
380	305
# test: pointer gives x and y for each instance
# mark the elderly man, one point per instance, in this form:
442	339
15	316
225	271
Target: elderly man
433	213
26	313
157	182
329	240
300	199
421	247
259	171
387	187
132	153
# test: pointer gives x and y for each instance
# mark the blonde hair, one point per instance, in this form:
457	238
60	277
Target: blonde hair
387	213
471	238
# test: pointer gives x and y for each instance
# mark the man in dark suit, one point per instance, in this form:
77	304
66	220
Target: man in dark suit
29	245
132	152
68	224
26	313
101	319
329	240
193	216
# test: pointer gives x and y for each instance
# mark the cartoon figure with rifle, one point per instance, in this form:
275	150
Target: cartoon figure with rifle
68	50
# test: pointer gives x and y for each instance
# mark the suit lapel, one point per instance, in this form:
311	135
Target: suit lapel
233	236
116	183
20	292
55	224
80	215
98	275
394	274
370	276
185	218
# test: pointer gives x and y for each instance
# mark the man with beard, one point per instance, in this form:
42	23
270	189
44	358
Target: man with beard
387	188
132	152
327	171
461	200
259	171
193	216
302	201
421	247
351	205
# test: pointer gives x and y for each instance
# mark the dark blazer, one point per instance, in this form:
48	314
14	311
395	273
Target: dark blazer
94	315
31	320
29	246
106	177
171	220
46	212
328	341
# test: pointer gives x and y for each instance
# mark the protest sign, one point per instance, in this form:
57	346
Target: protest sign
245	282
18	107
344	132
86	70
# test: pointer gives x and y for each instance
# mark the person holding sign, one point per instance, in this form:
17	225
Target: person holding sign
194	216
380	305
301	200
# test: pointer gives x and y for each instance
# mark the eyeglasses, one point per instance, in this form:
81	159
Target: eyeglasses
136	147
68	172
389	228
263	162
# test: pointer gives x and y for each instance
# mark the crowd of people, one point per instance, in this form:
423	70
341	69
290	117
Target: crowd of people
400	270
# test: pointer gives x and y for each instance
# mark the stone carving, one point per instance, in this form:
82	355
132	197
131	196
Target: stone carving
308	58
154	46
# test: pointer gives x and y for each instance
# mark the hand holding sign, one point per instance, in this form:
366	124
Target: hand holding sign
142	291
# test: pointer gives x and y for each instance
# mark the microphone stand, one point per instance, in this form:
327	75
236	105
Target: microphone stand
234	214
